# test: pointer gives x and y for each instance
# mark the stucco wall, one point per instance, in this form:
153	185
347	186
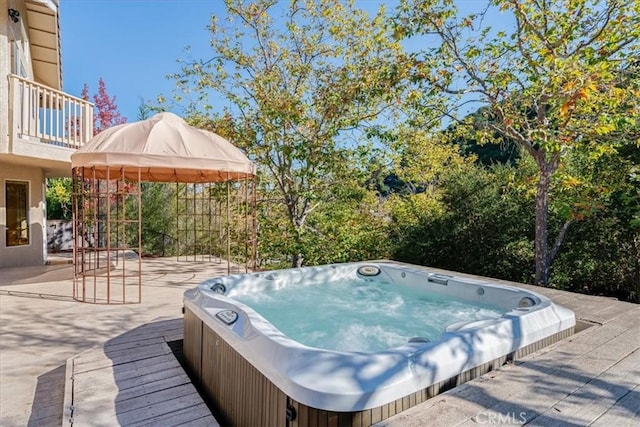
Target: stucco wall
4	82
35	252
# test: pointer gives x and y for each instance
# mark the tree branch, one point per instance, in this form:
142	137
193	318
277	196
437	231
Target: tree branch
559	239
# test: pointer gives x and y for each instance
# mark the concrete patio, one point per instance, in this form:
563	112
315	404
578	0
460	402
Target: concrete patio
591	378
41	327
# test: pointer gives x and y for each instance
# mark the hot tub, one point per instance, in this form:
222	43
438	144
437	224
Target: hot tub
255	374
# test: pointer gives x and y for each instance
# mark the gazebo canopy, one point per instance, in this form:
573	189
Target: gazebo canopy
163	148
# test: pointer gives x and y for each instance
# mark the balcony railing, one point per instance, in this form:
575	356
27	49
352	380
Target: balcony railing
42	114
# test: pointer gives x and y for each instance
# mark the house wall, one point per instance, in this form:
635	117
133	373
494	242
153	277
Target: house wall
5	58
25	168
35	252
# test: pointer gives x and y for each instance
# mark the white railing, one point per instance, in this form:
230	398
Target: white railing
43	114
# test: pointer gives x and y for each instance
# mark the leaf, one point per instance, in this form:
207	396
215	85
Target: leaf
605	128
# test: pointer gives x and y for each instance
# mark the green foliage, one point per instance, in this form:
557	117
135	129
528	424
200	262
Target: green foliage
298	90
58	198
348	228
471	224
422	159
601	257
145	110
558	83
417	159
158	219
311	87
487	151
352	228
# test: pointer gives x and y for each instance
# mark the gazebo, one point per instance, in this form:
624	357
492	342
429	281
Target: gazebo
212	199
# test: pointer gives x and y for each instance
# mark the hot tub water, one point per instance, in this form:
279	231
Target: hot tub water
357	314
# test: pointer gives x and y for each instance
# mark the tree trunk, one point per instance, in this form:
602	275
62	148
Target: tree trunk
297	260
297	223
636	279
298	256
559	239
542	210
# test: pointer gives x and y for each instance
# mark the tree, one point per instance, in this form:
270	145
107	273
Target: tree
471	222
106	112
144	110
487	153
555	85
602	256
298	91
58	198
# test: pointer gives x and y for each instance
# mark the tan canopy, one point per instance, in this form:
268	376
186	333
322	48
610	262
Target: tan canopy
163	148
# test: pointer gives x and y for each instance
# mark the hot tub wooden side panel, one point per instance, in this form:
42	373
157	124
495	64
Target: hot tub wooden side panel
239	393
192	344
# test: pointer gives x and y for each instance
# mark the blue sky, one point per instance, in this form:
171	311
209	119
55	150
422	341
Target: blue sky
131	44
134	44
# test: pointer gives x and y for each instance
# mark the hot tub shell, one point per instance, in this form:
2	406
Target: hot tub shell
255	375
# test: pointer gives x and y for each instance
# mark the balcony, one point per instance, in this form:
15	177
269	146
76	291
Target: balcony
45	123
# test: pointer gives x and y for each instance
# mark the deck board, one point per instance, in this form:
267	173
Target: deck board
626	411
597	396
136	380
197	415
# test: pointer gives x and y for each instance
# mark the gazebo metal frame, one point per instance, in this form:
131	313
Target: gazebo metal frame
215	214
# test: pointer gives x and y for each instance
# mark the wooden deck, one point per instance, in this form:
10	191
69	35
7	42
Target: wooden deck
133	380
